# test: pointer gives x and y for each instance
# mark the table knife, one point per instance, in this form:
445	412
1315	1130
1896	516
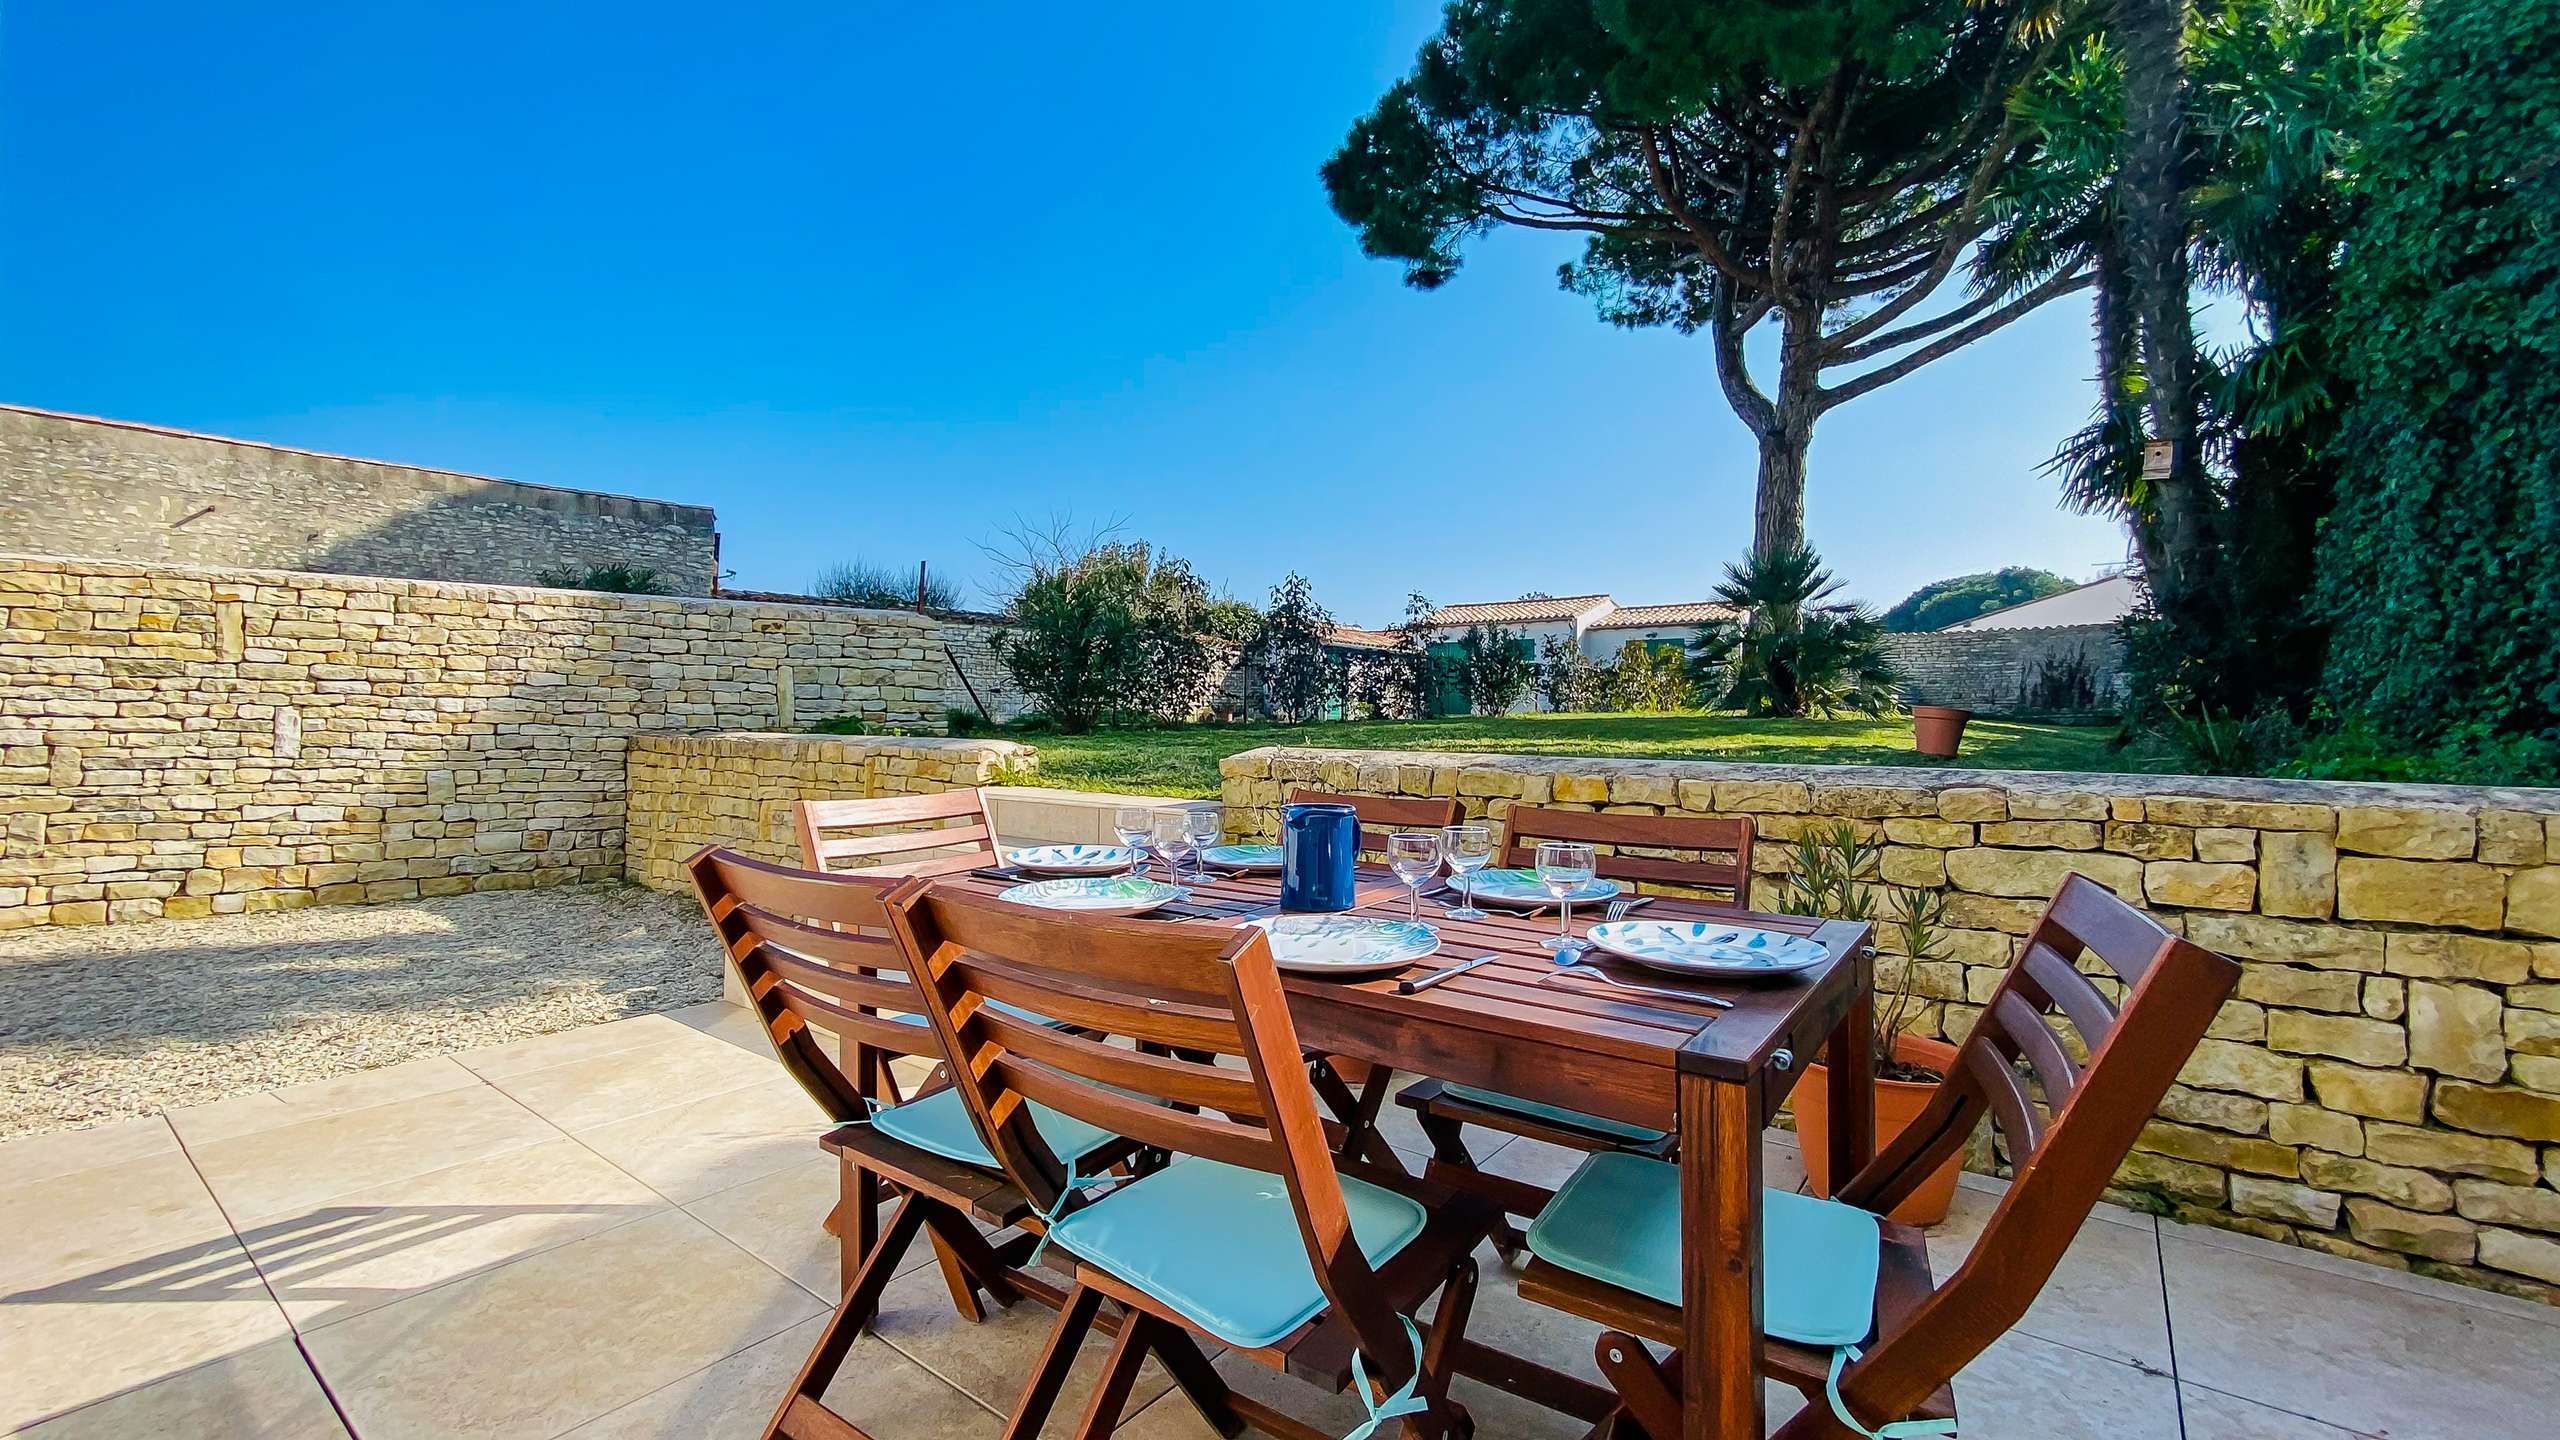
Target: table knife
1446	972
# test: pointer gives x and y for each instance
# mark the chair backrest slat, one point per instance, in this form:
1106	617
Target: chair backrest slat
905	842
2065	1152
796	943
1385	815
1709	854
1199	990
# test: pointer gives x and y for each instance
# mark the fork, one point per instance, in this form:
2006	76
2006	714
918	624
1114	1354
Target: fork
1577	966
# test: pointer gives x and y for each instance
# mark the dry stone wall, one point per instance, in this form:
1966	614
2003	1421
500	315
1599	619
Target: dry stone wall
71	485
185	742
2064	671
688	791
2385	1083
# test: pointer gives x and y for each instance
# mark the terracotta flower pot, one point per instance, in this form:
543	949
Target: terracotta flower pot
1898	1103
1937	731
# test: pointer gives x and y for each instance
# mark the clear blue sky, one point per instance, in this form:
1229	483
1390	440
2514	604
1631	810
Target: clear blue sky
876	280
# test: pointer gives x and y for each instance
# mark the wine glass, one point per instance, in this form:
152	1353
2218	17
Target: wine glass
1173	837
1468	849
1564	866
1203	824
1415	857
1133	823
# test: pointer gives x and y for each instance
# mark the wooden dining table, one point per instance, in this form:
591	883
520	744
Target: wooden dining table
1712	1076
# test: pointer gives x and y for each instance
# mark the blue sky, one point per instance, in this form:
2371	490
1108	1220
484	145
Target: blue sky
879	281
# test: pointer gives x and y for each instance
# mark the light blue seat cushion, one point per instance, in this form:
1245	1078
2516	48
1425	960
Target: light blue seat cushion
1618	1220
1537	1110
1220	1245
940	1123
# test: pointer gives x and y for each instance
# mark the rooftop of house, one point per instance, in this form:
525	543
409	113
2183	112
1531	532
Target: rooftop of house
2100	602
1591	612
1646	617
1352	637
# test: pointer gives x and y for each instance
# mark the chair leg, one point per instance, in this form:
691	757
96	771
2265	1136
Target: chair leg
1057	1359
1449	1147
977	1259
1119	1376
1199	1380
956	1279
845	1326
857	1221
1651	1396
1439	1357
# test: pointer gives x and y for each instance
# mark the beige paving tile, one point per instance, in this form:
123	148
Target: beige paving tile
587	1042
601	1089
711	1143
721	1020
2023	1388
780	1219
269	1109
42	1157
2351	1352
261	1394
2105	1296
1978	1195
878	1389
91	1219
367	1248
558	1338
82	1340
990	1360
269	1172
2345	1268
2212	1415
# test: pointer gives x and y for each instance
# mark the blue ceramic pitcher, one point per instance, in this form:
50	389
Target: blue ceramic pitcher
1318	846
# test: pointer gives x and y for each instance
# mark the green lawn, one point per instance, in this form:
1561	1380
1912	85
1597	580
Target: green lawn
1184	761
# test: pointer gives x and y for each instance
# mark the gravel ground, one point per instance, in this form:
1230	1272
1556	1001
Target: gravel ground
101	1023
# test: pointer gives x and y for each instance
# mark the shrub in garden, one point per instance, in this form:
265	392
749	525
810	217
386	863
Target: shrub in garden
1794	652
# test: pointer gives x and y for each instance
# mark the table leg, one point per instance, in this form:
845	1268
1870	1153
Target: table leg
1720	1260
1852	1049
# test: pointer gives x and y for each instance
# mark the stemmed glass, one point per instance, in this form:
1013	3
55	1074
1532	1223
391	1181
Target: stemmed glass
1415	857
1203	824
1564	866
1133	823
1173	837
1468	849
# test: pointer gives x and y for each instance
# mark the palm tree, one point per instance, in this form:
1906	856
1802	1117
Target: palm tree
1792	652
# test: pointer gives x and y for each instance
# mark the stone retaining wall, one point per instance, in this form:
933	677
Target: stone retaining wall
73	485
2067	670
185	742
2385	1083
688	791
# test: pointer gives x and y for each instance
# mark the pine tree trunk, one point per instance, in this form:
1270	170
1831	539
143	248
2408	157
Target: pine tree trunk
1778	509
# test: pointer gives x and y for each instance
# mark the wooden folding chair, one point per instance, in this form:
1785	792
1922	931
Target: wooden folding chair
900	834
1384	815
814	950
1254	1239
1689	852
1889	1346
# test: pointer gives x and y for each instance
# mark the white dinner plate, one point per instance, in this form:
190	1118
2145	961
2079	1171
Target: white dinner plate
1096	894
1687	947
1072	859
1520	890
1346	944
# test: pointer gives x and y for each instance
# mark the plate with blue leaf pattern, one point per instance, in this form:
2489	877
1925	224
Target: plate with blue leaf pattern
1346	944
1707	948
1096	894
1522	890
1242	857
1072	859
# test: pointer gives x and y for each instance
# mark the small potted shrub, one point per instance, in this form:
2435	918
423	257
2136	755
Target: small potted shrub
1835	877
1937	731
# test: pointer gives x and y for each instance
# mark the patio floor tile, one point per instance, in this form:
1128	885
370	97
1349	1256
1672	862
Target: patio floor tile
2212	1415
717	1140
101	1333
558	1338
42	1157
780	1218
601	1089
881	1390
542	1052
2352	1352
2023	1388
734	1023
989	1361
272	1109
90	1219
270	1172
372	1247
2105	1297
263	1394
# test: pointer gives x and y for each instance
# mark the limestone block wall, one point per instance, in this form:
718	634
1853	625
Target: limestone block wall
72	485
2385	1083
688	791
2064	670
186	742
972	643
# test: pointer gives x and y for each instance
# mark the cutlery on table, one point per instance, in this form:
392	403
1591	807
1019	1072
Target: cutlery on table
1446	972
1579	967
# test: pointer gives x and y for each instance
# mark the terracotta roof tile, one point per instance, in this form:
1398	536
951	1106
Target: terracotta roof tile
1518	612
1648	617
